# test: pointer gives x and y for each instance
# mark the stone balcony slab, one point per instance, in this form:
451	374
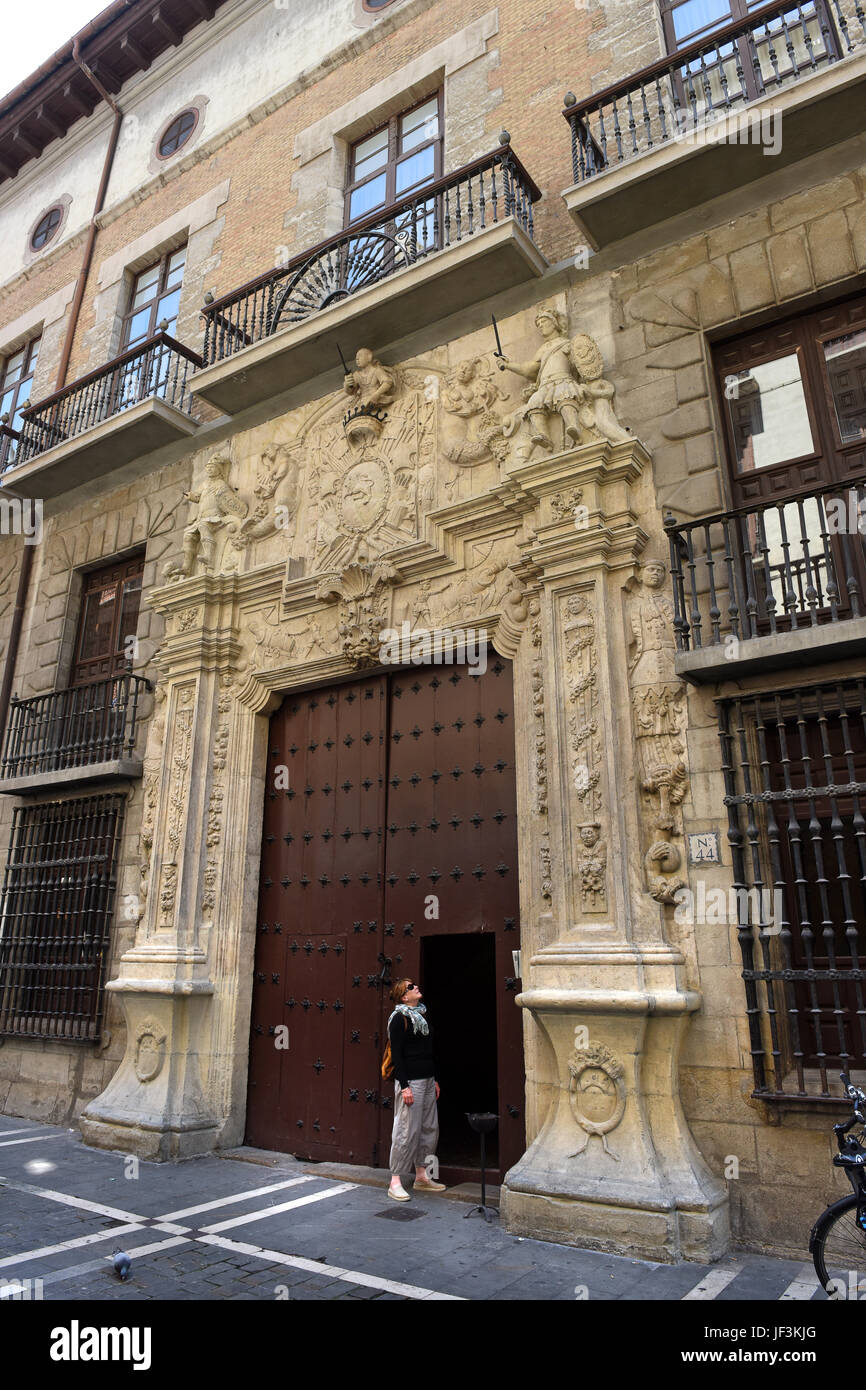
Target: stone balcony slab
492	260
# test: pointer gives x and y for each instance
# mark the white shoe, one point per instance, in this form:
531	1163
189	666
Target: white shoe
399	1193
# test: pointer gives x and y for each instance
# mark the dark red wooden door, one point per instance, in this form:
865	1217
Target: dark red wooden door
319	928
398	830
451	847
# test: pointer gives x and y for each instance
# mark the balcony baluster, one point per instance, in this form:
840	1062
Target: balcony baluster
157	368
73	728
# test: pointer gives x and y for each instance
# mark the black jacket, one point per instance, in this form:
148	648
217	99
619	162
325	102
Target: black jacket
411	1052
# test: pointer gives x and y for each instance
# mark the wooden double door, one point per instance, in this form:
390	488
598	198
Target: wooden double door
389	849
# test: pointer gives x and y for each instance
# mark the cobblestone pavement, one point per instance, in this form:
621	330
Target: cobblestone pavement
216	1228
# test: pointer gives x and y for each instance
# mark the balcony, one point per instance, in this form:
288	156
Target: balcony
748	100
762	588
459	240
81	735
134	404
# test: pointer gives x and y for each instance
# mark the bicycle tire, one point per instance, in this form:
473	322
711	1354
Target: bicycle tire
838	1246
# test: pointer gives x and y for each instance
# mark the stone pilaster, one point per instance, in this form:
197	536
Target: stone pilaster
613	1165
160	1102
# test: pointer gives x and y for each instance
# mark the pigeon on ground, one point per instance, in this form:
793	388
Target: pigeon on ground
122	1264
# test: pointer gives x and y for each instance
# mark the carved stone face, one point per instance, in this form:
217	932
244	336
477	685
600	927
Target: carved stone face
363	357
465	371
589	835
546	325
654	575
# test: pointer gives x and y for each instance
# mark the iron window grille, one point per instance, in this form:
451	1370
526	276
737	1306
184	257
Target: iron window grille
794	764
55	917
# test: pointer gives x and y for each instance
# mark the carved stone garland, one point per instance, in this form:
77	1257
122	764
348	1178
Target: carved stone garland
579	636
658	714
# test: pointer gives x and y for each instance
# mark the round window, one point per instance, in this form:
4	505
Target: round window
46	228
177	132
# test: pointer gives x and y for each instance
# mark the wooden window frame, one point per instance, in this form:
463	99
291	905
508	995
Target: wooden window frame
801	334
739	12
188	134
86	670
159	291
392	125
26	377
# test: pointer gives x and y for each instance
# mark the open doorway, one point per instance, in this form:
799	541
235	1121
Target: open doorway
458	979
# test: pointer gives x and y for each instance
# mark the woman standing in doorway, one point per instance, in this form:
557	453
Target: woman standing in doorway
416	1091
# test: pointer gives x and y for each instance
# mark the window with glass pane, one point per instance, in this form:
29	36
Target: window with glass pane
16	383
110	605
794	42
154	299
391	164
845	360
155	295
769	415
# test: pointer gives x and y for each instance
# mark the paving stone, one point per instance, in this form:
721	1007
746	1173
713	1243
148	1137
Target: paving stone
446	1252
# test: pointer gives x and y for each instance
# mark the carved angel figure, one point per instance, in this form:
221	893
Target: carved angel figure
471	394
218	506
373	384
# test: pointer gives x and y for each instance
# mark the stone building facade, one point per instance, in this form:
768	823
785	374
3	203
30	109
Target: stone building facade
522	404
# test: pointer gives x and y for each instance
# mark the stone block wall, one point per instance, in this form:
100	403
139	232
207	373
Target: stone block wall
50	1080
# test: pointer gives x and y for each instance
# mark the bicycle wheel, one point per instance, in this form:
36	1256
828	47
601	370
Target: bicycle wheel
839	1250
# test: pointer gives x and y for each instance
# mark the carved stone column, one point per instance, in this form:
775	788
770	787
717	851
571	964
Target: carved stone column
613	1165
157	1104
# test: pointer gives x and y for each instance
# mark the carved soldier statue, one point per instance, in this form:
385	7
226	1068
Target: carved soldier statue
567	381
555	389
651	643
218	506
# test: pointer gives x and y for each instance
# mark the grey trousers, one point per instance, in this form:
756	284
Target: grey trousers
416	1127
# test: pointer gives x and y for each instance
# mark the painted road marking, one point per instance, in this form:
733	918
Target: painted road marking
804	1286
283	1206
66	1199
237	1197
5	1132
40	1139
44	1251
712	1284
94	1266
369	1281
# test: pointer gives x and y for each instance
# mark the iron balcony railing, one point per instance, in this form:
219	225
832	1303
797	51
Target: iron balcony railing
434	217
752	58
77	727
8	445
777	567
157	368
